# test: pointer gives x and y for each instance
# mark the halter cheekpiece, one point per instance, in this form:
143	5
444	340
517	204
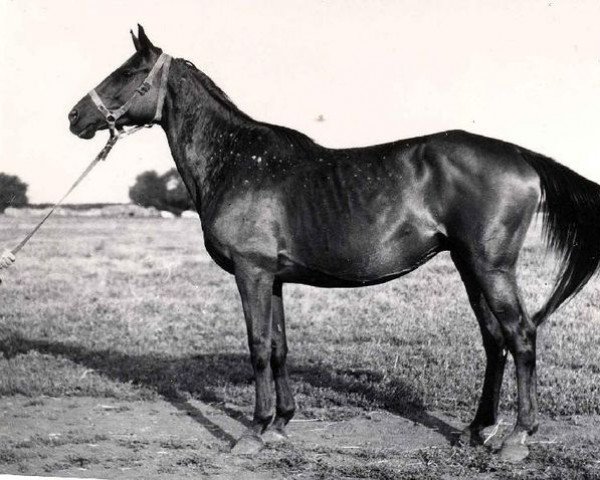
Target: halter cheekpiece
163	62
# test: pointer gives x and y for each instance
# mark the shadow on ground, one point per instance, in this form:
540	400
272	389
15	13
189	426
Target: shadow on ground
199	376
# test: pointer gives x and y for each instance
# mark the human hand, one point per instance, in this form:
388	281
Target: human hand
7	259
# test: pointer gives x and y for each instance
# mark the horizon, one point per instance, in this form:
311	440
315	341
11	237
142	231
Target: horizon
344	73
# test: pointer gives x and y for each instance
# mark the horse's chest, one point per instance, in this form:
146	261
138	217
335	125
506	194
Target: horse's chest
247	225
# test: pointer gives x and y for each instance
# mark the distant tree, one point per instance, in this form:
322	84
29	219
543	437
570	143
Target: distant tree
165	192
13	192
148	190
177	197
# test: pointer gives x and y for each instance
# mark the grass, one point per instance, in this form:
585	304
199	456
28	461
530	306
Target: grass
135	309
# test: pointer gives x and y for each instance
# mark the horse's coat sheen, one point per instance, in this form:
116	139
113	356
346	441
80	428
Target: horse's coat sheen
276	208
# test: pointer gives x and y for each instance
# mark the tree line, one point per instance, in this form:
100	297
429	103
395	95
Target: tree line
164	192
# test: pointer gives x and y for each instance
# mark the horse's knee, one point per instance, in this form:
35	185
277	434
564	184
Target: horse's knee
278	357
260	355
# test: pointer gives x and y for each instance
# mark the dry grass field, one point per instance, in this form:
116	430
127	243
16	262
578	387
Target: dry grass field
124	356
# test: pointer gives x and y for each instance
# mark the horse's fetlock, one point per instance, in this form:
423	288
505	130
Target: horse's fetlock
286	411
262	421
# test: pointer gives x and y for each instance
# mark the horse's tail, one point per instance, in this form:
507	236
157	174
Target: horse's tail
571	227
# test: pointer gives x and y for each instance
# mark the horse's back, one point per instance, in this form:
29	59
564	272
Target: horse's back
377	212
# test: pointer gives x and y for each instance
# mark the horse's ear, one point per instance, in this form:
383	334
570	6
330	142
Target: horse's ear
136	42
145	43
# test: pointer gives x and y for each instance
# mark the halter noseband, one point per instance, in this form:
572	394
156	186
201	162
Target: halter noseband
111	116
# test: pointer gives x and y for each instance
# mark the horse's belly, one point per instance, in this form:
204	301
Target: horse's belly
360	255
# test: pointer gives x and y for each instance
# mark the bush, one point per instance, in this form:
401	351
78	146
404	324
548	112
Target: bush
176	195
148	190
165	192
13	192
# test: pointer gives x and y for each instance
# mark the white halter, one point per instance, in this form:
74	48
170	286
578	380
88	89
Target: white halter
111	116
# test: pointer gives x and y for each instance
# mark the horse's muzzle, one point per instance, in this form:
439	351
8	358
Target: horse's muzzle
86	132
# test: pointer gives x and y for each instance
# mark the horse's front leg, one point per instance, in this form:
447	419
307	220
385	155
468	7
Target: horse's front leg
285	406
255	285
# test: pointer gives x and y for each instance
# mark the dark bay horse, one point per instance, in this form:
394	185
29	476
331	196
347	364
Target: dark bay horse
276	207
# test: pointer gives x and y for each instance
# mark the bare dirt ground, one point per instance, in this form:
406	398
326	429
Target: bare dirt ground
108	438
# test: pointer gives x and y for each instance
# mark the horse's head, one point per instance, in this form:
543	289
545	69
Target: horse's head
131	95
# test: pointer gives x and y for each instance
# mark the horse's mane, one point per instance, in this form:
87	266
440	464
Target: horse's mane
288	135
213	90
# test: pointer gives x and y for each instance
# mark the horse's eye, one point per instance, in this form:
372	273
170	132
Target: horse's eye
128	73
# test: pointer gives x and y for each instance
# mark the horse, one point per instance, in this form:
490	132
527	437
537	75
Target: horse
276	207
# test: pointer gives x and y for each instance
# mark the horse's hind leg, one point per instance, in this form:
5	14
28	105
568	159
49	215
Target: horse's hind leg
494	345
499	286
285	406
487	235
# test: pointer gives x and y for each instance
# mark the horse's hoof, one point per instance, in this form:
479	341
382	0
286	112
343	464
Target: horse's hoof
491	437
514	452
514	449
274	435
248	445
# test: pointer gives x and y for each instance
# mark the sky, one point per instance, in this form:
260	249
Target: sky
523	71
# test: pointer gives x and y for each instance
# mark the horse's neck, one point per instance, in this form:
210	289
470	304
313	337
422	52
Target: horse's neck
199	123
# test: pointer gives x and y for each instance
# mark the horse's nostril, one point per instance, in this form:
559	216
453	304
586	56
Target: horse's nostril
73	115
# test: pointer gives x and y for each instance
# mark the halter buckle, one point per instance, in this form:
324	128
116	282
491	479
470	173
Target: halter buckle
144	88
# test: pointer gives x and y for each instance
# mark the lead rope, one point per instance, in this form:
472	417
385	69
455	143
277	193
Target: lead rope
8	256
111	116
